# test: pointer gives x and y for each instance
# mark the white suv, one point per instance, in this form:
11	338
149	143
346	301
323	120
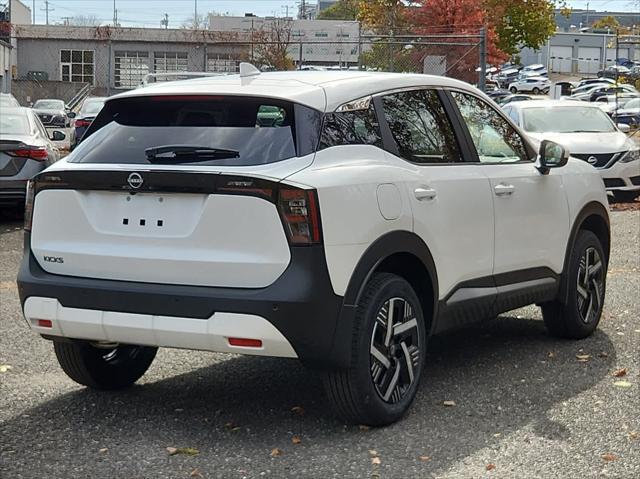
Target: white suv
535	85
341	218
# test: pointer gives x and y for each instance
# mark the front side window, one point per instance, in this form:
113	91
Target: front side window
496	141
358	127
420	127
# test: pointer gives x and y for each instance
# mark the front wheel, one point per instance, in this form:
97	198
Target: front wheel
586	275
104	366
387	355
536	91
513	90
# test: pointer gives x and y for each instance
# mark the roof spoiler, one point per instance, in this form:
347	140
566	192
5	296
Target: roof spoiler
248	70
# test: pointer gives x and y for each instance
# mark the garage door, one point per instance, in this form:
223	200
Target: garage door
589	60
561	59
612	55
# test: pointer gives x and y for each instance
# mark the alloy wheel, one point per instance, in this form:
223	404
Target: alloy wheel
590	285
395	349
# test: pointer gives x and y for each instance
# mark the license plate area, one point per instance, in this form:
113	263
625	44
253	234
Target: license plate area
156	215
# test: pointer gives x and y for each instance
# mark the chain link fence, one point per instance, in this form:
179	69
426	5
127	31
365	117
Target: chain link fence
70	63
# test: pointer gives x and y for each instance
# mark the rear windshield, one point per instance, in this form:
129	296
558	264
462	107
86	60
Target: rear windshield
49	104
91	107
14	124
207	130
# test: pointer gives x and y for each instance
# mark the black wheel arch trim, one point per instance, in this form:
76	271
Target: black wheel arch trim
593	208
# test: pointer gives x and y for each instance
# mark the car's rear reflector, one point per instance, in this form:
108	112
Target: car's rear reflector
38	154
245	342
45	323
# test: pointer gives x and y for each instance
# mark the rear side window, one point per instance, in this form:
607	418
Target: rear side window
358	127
202	130
14	123
420	127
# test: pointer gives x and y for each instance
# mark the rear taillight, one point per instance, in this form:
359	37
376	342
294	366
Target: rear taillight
299	210
28	205
38	154
82	123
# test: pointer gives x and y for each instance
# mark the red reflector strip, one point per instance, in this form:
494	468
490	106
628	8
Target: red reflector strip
245	343
185	98
83	123
34	153
45	323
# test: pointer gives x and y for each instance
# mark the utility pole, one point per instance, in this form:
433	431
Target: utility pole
165	21
66	21
482	85
587	22
115	14
33	12
286	10
303	9
196	22
47	9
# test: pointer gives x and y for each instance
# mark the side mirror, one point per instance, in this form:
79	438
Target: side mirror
551	155
624	128
58	136
71	114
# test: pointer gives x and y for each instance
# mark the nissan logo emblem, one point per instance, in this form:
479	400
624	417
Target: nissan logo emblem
135	180
592	160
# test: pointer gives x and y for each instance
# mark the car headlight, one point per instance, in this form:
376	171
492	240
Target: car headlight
631	155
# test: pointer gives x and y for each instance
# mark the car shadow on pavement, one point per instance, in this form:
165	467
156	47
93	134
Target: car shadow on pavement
502	376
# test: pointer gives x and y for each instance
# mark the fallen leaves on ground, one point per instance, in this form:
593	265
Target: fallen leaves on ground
4	368
609	457
424	458
620	372
448	403
622	384
376	461
275	452
187	451
634	435
296	440
490	467
583	358
362	427
603	354
232	426
195	473
299	410
103	450
373	452
551	355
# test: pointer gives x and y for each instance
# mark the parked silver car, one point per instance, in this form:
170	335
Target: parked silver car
25	150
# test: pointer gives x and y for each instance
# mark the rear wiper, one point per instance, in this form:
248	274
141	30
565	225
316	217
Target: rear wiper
171	154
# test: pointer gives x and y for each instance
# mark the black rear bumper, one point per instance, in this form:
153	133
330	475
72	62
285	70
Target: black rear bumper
301	304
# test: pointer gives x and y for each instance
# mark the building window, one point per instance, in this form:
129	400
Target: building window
338	51
322	34
169	62
77	65
130	69
343	35
222	64
297	34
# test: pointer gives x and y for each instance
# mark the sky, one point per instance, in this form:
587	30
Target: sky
148	13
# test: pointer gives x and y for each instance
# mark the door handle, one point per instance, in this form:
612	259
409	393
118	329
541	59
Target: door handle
504	190
424	193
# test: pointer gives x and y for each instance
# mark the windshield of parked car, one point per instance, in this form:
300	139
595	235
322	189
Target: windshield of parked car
256	130
91	107
566	119
14	123
49	105
631	104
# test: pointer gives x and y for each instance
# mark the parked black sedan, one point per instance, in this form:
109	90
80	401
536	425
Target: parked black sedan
25	150
53	113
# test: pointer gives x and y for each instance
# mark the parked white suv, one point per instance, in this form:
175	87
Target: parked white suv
341	218
590	135
535	85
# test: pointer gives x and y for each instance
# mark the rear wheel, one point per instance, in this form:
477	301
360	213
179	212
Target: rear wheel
586	284
387	355
104	366
536	91
513	90
625	196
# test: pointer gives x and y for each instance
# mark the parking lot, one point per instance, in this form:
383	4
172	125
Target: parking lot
526	405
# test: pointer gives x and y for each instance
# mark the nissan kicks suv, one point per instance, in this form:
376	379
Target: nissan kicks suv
341	218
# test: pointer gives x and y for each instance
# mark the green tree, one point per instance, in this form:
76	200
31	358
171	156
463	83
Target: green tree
608	22
342	10
521	23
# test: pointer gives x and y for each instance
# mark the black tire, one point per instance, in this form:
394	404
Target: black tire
513	90
536	91
578	317
363	393
625	196
104	368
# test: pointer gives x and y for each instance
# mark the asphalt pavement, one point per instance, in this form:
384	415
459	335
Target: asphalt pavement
526	405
